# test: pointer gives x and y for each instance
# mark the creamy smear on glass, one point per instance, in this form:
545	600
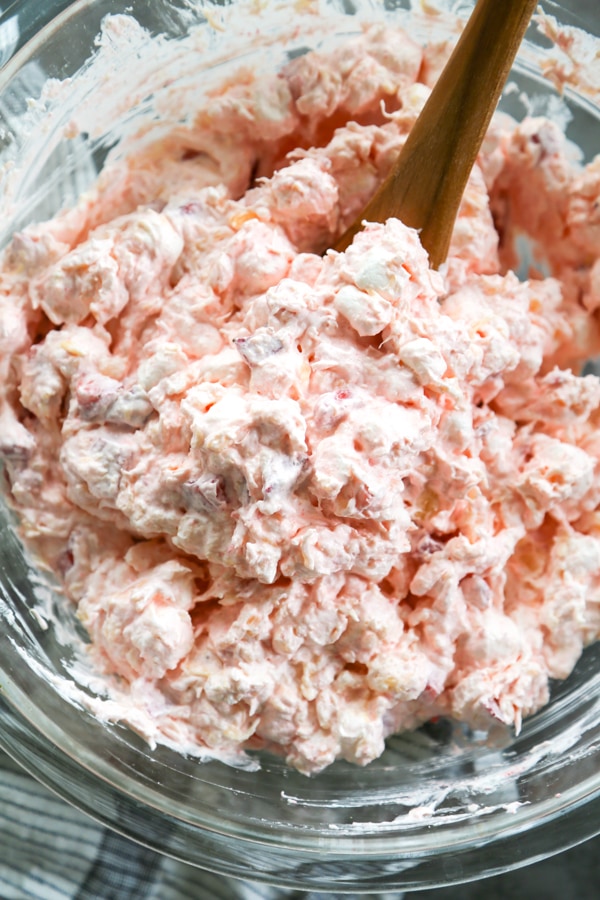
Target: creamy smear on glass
305	499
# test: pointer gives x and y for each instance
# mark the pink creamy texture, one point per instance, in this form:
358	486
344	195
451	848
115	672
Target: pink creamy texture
304	501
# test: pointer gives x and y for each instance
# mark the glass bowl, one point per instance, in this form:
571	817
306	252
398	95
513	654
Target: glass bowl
442	805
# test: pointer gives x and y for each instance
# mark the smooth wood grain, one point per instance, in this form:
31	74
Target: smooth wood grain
426	184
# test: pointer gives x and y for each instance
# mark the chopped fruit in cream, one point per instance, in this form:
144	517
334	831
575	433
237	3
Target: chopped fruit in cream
305	499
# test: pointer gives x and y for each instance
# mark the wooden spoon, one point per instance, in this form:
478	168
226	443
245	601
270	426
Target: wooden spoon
426	184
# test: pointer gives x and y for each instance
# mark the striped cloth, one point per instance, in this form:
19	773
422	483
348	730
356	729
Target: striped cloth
49	851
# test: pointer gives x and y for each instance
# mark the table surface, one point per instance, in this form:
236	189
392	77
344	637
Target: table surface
573	875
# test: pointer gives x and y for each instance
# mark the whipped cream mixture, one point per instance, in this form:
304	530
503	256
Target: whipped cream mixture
304	501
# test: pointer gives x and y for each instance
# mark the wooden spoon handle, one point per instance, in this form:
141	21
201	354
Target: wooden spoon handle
426	184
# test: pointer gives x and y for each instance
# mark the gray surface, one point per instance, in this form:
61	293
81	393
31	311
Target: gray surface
587	8
573	875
